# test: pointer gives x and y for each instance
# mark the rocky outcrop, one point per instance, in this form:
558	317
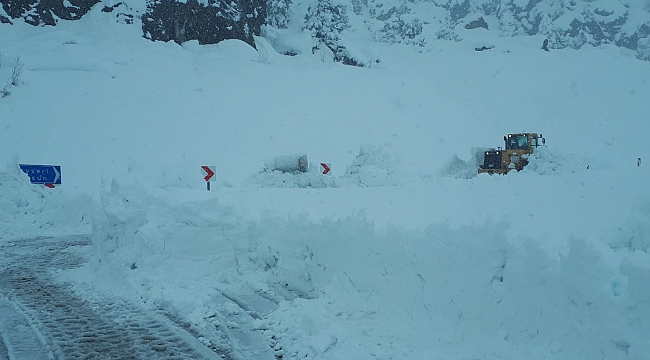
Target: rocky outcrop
565	23
165	20
168	20
44	12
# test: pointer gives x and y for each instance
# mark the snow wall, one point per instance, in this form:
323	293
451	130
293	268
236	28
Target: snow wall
28	210
348	289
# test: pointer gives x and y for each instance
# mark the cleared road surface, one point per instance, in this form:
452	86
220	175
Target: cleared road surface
41	318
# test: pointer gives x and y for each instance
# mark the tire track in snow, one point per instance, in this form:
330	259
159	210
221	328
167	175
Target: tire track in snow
238	324
78	328
4	352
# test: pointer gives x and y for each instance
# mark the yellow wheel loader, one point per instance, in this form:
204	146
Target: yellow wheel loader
514	156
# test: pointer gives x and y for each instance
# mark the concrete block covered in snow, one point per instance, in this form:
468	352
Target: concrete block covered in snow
287	163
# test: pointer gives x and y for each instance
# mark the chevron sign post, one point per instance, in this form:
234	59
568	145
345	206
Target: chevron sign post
208	174
325	168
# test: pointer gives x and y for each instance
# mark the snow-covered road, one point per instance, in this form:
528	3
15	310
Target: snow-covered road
41	318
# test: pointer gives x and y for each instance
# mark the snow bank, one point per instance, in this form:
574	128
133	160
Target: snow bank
634	234
461	169
424	295
374	166
347	291
279	179
544	161
28	210
139	228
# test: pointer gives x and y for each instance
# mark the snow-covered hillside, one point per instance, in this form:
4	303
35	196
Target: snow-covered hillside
337	29
403	250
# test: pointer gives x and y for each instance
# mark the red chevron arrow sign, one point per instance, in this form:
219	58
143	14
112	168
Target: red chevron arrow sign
208	172
325	168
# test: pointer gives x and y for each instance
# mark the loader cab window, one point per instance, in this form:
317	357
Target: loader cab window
517	142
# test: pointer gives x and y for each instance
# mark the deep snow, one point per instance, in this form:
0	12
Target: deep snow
402	251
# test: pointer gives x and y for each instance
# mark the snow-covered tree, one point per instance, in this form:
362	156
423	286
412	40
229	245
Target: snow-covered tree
447	31
277	13
456	10
643	49
326	20
400	26
509	24
402	29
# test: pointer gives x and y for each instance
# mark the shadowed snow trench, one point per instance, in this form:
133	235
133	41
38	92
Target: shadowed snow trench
42	319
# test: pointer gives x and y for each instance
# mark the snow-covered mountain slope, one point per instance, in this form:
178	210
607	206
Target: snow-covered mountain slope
336	28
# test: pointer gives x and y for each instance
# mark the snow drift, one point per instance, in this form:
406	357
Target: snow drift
347	289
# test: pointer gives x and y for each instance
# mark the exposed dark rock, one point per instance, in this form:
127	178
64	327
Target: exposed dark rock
631	41
108	9
46	12
601	32
483	48
458	9
168	20
123	13
478	23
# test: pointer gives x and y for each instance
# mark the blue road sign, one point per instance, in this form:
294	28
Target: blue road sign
42	174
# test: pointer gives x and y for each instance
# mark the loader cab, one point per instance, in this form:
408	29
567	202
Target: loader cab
517	142
524	141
